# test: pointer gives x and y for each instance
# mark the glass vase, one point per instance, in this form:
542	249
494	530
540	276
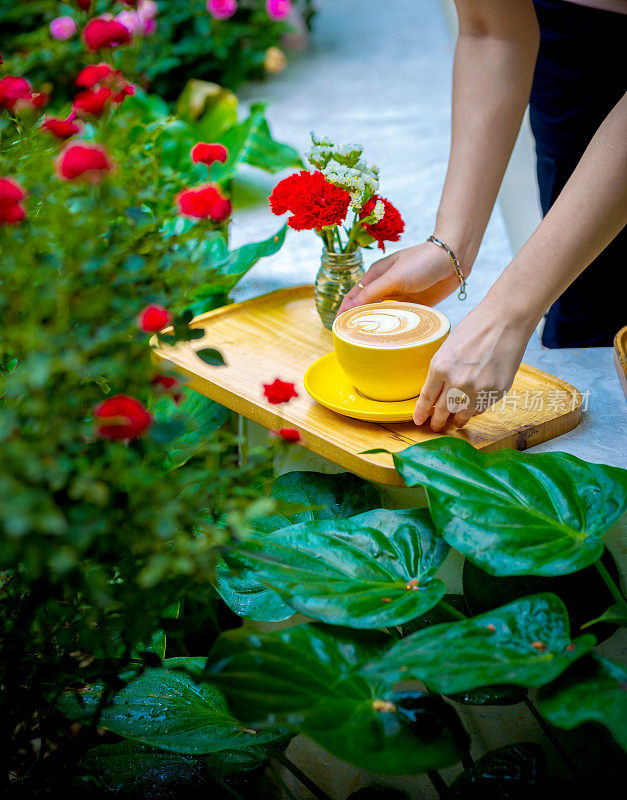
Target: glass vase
338	273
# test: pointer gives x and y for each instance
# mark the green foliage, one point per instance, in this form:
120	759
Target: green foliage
165	707
187	43
527	643
515	513
372	570
100	538
309	678
594	689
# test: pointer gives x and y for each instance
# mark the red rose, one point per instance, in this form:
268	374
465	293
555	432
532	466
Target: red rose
92	102
11	195
290	435
13	89
313	201
387	229
121	417
167	384
87	161
89	76
36	100
61	128
204	201
208	153
105	33
153	318
279	391
10	192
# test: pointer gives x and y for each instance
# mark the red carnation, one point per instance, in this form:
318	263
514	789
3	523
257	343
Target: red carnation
92	102
101	33
11	196
126	90
290	435
204	201
279	391
87	161
61	128
121	417
167	384
208	153
313	201
387	229
13	89
153	318
89	76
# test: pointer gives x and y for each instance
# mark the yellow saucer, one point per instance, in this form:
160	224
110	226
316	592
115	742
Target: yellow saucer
326	382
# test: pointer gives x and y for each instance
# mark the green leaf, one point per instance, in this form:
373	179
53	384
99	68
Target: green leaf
134	767
616	614
514	772
516	513
373	570
250	142
202	415
166	708
594	689
310	679
584	593
211	356
526	643
329	497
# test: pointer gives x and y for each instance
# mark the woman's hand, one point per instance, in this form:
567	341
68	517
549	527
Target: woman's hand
420	274
475	366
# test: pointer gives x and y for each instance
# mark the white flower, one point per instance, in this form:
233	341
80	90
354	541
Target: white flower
345	177
321	140
378	212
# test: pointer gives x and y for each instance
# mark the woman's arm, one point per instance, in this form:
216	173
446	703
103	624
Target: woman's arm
494	62
484	351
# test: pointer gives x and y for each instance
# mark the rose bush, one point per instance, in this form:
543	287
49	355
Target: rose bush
160	45
116	483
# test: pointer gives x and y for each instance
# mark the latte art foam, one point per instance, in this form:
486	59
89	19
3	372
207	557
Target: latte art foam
389	324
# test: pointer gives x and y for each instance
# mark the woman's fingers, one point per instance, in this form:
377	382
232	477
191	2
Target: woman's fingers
428	396
358	296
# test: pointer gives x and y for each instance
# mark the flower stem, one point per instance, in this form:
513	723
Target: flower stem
609	582
300	775
569	763
453	612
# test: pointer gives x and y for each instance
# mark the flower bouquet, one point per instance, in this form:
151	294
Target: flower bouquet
321	199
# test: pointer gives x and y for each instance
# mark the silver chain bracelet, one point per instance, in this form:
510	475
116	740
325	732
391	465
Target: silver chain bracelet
455	263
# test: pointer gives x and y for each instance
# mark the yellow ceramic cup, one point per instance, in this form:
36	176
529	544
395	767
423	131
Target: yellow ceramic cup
393	371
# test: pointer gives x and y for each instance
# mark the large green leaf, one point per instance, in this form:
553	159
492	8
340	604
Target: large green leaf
526	643
594	689
584	593
513	772
310	679
166	708
202	418
328	497
370	571
129	766
517	513
250	142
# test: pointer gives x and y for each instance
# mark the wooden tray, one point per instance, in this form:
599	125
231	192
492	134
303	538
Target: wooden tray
280	335
620	356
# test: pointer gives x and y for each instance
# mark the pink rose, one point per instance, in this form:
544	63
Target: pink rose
62	28
279	9
221	9
147	9
131	21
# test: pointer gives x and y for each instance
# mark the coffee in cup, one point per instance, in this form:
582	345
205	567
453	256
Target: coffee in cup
386	348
